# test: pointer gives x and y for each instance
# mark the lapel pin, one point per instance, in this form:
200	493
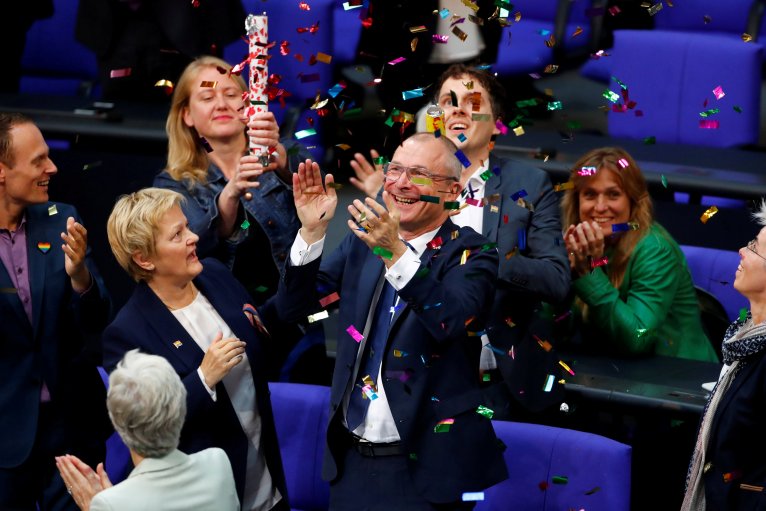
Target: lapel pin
43	247
178	344
52	210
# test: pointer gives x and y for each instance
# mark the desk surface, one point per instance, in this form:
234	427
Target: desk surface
667	383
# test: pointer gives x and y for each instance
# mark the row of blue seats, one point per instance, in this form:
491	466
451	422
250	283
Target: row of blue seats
550	469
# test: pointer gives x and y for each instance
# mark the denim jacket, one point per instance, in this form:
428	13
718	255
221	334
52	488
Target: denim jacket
271	206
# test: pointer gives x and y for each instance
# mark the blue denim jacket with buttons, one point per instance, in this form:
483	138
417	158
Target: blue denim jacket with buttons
271	206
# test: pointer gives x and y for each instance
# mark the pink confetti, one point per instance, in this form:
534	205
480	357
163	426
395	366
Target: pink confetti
623	162
327	300
396	61
718	92
473	202
439	39
353	332
709	125
502	128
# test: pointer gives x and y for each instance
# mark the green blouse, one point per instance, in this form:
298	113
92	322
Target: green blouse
655	310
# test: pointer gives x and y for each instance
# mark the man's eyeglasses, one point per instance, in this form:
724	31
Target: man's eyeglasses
751	247
416	175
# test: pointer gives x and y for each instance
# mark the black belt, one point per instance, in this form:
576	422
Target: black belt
372	449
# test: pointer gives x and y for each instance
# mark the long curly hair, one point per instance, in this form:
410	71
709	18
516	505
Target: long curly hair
187	157
632	182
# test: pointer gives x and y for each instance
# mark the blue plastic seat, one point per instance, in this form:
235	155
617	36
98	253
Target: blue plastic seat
671	77
713	270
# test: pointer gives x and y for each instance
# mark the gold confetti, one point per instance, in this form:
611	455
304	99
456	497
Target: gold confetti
419	28
560	187
708	214
747	37
518	131
324	58
551	68
207	83
459	33
577	32
413	44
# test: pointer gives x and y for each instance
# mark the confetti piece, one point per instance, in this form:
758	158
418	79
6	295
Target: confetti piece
708	214
730	476
566	367
560	187
555	105
435	243
543	485
459	33
451	205
396	61
551	68
95	164
244	225
655	9
354	333
709	124
120	73
462	137
412	94
650	140
480	117
305	133
743	314
708	113
664	181
737	109
304	6
347	6
485	412
52	210
747	37
327	300
464	256
166	84
209	84
319	316
718	92
463	158
587	171
43	247
560	479
593	490
382	252
519	195
518	131
549	380
439	39
443	426
627	226
611	96
521	238
430	198
400	353
544	344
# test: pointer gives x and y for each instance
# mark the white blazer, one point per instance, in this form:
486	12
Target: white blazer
178	481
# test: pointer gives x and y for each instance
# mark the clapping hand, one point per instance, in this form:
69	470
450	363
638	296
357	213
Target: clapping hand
378	226
315	202
369	176
81	481
584	243
75	247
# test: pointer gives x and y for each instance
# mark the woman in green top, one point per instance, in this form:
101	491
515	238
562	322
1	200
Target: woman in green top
633	289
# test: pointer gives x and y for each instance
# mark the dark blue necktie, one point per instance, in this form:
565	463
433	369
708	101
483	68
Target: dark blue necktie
371	357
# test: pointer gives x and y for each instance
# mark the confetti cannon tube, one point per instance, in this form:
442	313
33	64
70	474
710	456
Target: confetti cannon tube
257	28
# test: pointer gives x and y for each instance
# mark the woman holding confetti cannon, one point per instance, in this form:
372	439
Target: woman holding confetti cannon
727	470
633	289
242	211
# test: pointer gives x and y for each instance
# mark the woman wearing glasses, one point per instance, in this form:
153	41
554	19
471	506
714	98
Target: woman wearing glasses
633	290
727	469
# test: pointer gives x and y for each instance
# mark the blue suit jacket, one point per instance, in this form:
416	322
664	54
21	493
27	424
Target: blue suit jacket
539	272
736	445
437	378
145	323
52	347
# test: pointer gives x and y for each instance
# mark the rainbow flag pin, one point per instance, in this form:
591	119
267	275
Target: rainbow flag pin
43	247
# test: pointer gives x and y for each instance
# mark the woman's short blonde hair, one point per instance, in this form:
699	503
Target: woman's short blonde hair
133	225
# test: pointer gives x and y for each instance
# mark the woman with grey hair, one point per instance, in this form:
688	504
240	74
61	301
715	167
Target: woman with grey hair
727	470
147	405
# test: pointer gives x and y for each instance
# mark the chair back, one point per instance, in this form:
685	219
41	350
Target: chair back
550	469
713	271
301	413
